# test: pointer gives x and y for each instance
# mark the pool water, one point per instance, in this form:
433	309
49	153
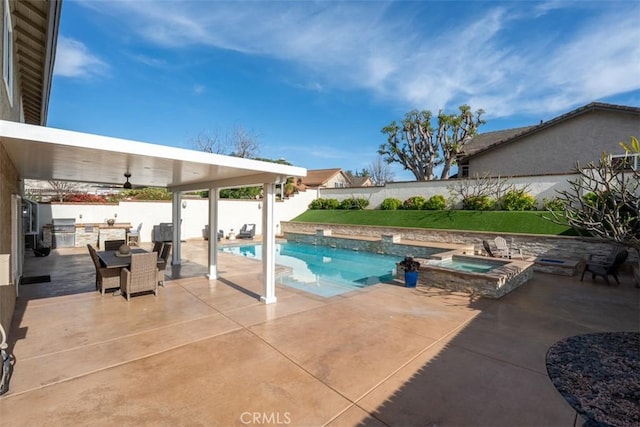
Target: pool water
467	265
325	271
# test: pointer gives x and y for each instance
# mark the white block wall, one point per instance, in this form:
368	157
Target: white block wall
232	213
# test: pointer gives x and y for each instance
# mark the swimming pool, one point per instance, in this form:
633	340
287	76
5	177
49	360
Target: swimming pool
325	271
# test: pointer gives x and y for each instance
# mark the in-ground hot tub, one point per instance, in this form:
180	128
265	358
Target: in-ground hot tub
487	277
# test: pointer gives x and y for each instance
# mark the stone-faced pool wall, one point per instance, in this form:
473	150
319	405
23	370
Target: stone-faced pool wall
560	247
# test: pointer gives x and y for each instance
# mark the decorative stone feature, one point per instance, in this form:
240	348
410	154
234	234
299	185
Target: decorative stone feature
382	246
531	245
391	238
322	232
562	267
506	276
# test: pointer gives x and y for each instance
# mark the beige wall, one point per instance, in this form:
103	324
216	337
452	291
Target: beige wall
8	186
338	178
556	149
8	180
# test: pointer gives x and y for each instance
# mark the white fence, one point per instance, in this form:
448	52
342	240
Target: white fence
540	187
232	214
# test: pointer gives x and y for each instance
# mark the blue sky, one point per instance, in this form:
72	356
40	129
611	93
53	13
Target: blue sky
316	81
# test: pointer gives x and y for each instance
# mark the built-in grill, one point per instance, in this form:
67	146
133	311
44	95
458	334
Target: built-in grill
63	232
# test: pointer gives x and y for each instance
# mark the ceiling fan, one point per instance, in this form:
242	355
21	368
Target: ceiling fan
127	185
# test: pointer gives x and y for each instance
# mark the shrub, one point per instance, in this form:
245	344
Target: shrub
84	198
354	203
518	200
321	203
416	202
436	203
554	204
477	203
148	193
391	204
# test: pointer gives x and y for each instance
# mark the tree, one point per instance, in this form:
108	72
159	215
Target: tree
380	171
420	148
454	131
62	188
244	143
238	143
612	210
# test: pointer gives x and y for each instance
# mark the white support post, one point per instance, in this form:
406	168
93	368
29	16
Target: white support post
268	244
176	214
213	233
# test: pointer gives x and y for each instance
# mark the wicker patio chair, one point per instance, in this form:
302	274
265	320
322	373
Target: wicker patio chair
247	231
113	245
142	276
157	247
106	278
162	262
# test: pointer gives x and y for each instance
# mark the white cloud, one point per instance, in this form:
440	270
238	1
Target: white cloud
73	59
492	57
199	89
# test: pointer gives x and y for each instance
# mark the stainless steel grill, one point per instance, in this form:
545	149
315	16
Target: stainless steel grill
63	232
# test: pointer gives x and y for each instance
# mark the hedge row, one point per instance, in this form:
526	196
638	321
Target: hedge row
514	200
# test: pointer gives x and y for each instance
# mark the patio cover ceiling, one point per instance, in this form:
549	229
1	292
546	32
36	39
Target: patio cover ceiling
45	153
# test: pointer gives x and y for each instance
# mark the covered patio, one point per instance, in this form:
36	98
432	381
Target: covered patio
44	153
209	353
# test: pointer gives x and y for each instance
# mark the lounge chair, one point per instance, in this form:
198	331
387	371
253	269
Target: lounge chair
247	231
487	248
503	250
142	276
106	278
606	267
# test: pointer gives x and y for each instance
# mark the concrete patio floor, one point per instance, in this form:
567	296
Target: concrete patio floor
209	353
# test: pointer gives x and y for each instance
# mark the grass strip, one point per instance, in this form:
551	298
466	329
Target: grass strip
531	222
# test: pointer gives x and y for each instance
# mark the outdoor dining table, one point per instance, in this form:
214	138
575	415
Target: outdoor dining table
110	260
599	376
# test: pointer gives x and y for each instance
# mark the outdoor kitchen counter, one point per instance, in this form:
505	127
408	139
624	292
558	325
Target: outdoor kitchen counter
92	233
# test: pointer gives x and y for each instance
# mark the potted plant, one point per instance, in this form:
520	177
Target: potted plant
411	267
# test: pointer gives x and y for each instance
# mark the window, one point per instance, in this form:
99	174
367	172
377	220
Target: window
7	52
464	171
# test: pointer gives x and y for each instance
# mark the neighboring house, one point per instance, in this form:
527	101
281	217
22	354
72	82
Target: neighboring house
361	181
552	147
326	178
29	35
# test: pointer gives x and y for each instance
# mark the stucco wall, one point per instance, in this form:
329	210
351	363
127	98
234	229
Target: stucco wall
540	187
556	149
232	213
8	186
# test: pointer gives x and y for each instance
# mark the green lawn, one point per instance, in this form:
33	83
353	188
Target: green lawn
494	221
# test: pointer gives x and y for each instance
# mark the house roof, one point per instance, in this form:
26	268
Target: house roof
319	177
35	27
491	140
360	181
